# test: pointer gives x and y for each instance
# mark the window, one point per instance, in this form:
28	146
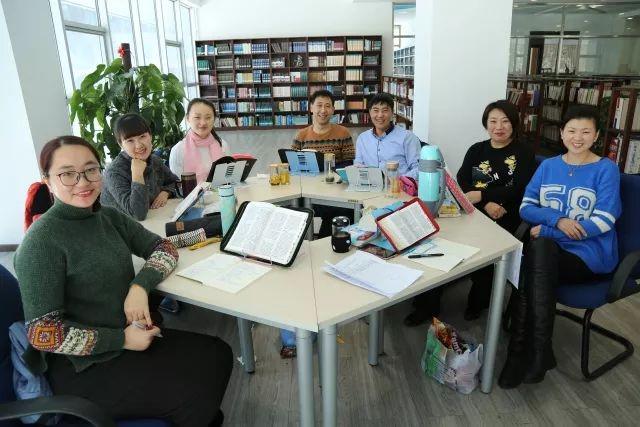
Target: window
89	33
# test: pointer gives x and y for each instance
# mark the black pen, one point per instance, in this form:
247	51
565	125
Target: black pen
424	256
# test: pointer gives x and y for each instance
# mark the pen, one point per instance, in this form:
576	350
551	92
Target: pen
424	256
205	243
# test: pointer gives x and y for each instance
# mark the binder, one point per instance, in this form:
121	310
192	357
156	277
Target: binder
409	225
247	230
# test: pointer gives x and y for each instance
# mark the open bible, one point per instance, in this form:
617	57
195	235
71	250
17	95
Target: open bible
267	232
408	225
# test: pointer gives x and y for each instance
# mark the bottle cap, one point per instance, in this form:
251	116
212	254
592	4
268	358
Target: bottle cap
225	191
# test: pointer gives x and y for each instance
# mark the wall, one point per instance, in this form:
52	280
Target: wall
224	19
461	66
32	106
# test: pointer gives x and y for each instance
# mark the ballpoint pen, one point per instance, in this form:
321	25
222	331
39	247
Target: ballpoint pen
424	256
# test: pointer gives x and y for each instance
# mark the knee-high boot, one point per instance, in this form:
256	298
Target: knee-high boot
516	363
541	277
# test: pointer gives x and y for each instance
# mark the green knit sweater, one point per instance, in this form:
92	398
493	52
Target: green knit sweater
75	268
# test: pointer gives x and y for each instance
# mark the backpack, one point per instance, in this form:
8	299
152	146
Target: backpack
39	200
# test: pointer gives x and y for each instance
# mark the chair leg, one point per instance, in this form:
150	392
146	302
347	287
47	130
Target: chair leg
587	326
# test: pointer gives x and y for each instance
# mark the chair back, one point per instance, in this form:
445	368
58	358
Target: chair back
10	312
628	225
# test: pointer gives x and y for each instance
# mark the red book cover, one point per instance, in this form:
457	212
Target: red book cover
411	224
457	192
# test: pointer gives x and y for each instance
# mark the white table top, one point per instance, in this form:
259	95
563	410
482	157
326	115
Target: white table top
315	188
304	296
338	301
283	297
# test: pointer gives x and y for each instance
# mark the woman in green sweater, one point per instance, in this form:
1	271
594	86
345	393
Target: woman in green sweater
87	311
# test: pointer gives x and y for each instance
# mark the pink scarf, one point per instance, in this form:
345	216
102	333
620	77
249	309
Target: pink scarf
192	162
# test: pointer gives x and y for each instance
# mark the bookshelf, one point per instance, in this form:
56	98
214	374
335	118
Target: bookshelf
403	62
622	134
543	101
401	88
265	83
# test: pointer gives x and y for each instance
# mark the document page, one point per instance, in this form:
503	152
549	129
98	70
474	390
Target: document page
407	225
370	272
268	232
225	272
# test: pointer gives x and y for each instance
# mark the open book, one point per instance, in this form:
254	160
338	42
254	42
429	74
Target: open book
267	232
408	225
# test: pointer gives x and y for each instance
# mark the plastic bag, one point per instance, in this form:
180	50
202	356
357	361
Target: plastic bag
451	360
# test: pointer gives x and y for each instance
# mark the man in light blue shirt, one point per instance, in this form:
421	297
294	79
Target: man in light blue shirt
386	141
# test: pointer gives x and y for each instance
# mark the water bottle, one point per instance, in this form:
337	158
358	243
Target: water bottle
227	207
431	183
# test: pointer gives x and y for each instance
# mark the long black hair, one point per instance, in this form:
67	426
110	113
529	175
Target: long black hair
213	108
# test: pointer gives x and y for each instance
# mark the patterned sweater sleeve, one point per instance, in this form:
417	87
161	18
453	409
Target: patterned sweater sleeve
41	271
160	254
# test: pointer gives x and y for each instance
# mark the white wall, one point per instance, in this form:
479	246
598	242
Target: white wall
461	65
32	106
226	19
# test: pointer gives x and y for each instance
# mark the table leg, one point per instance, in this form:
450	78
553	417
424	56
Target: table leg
381	333
329	357
374	327
304	344
493	324
306	202
246	345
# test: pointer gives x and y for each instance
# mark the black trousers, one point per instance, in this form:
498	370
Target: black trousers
181	377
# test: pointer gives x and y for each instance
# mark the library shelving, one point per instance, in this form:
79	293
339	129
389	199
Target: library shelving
622	134
266	83
401	88
543	101
403	62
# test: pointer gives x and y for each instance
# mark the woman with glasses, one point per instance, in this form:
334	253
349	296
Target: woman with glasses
87	311
136	180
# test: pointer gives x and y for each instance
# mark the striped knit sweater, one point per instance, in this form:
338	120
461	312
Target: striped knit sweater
75	268
338	141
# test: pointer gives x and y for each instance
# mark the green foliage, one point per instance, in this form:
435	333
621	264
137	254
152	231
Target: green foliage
111	91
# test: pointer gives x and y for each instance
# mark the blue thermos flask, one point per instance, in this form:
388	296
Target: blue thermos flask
431	183
227	207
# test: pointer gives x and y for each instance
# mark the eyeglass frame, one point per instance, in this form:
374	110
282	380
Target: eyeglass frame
83	173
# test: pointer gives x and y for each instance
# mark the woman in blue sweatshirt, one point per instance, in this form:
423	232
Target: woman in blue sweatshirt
572	204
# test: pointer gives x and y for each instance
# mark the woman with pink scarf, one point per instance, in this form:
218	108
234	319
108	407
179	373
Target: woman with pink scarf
201	146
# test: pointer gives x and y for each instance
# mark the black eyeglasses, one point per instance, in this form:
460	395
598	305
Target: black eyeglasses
71	178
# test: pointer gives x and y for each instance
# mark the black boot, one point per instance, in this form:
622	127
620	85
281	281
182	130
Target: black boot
541	277
516	363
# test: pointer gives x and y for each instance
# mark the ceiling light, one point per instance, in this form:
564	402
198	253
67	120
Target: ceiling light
631	17
586	21
628	28
621	13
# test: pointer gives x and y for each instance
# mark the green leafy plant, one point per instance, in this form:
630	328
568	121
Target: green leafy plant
111	91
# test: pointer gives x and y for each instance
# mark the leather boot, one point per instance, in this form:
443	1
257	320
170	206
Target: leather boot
516	363
541	279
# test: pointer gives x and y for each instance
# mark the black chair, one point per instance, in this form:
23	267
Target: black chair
10	408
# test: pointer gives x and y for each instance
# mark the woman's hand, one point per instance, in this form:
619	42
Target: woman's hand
494	210
160	200
136	305
137	170
571	228
534	232
138	339
474	196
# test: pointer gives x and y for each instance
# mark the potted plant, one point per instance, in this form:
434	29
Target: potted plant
113	90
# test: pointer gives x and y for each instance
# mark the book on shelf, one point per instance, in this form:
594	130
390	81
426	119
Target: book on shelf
316	46
267	232
241	48
334	61
622	111
223	49
614	148
335	46
632	164
355	44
